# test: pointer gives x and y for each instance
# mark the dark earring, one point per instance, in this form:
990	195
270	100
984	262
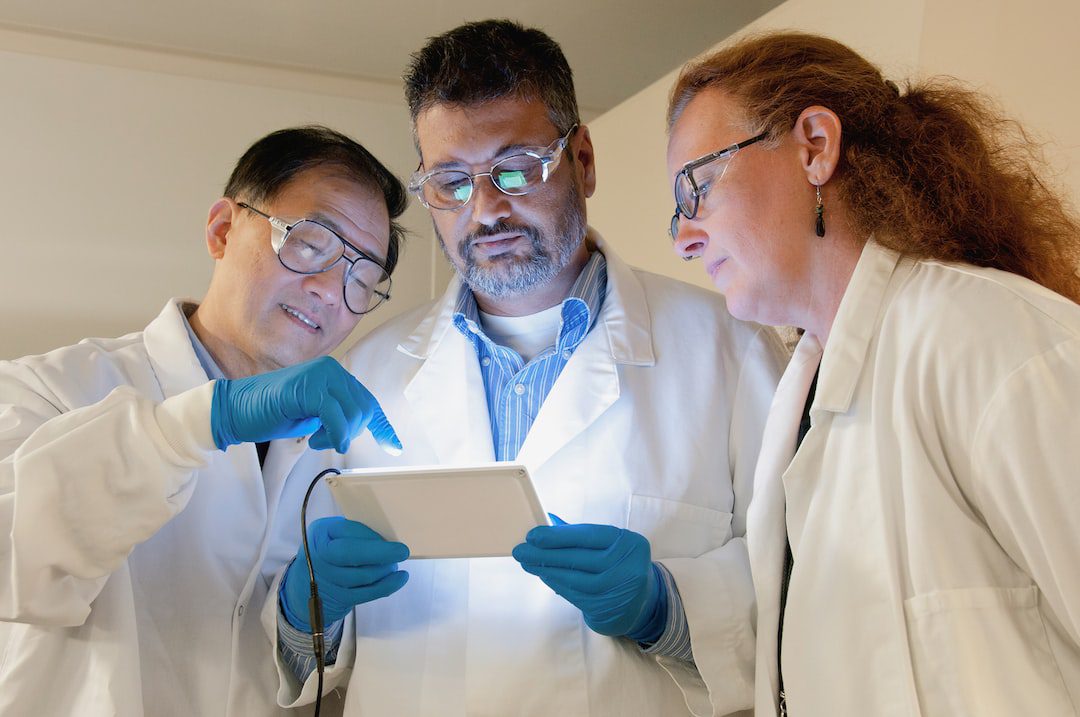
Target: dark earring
819	210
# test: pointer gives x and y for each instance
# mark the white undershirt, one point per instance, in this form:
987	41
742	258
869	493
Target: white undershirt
528	335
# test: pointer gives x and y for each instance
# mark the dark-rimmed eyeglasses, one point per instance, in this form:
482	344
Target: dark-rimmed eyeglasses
690	188
308	246
515	175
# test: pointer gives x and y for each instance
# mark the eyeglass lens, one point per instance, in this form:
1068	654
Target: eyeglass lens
311	248
515	176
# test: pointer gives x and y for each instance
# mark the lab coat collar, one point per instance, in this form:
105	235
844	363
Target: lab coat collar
171	353
625	313
587	387
178	369
855	326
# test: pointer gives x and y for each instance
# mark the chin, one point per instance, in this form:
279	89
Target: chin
742	309
284	359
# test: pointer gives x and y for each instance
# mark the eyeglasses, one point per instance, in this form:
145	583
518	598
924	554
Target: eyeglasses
515	175
690	189
310	247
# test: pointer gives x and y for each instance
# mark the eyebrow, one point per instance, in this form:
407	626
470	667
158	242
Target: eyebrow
503	152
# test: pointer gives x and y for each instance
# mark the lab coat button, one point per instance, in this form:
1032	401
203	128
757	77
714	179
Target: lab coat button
240	610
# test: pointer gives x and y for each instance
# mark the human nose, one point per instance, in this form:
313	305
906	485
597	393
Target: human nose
489	204
328	285
690	240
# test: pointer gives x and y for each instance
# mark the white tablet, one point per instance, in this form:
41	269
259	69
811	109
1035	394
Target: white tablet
442	512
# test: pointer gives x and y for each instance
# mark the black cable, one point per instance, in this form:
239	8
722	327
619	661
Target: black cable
315	618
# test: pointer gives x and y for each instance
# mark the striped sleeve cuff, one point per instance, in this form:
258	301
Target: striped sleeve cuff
675	640
297	651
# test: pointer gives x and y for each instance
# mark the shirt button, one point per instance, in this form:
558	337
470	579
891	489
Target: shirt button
486	361
519	389
566	354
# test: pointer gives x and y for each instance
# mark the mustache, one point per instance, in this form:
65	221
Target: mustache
500	227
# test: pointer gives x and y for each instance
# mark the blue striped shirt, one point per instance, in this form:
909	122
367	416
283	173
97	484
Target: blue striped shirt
515	389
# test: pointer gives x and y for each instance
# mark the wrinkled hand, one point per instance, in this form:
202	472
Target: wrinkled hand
315	397
353	565
604	571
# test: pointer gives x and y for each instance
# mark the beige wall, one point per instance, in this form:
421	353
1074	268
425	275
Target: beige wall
107	173
1026	55
111	156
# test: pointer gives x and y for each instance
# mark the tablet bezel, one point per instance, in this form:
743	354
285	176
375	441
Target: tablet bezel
453	499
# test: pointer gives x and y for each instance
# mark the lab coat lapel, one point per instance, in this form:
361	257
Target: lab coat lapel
280	460
766	531
856	325
850	347
589	383
446	395
177	368
587	387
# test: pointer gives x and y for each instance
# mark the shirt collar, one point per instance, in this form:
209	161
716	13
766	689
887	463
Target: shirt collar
623	312
205	359
579	309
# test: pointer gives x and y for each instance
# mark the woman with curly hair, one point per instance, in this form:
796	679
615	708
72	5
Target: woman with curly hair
911	535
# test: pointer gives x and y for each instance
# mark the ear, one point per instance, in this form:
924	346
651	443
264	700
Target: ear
817	134
218	224
581	146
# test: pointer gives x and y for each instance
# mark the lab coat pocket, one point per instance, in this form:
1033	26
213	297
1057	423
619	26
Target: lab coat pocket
678	530
983	651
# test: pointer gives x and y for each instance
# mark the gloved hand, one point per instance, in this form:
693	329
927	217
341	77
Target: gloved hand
604	571
315	397
353	565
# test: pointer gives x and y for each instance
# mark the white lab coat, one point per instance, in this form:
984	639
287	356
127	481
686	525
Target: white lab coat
932	504
654	425
135	556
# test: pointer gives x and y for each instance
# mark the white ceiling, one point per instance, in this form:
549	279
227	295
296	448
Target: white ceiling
616	47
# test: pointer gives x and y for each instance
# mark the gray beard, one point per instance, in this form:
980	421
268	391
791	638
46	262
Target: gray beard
512	274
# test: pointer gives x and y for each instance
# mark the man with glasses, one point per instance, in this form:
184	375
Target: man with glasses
636	402
150	484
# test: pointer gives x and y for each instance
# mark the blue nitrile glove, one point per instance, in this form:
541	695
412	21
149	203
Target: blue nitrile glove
353	565
315	397
604	571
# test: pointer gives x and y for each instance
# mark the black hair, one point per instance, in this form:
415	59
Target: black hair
273	161
488	60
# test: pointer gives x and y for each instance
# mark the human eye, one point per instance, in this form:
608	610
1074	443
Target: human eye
359	282
367	276
306	250
517	172
456	185
705	177
311	243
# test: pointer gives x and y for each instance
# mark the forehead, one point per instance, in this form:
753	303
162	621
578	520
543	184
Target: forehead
355	210
475	133
708	122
